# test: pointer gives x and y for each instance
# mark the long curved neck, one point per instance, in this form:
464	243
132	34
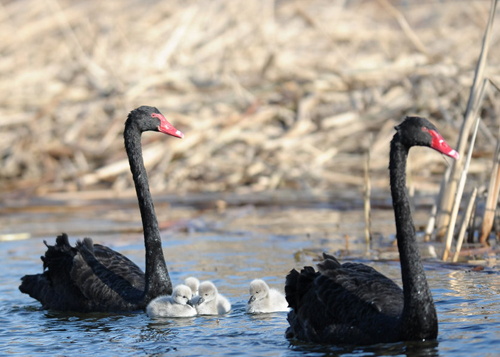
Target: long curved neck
419	314
157	277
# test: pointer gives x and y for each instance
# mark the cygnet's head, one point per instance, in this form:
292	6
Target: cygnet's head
193	283
207	292
258	290
182	295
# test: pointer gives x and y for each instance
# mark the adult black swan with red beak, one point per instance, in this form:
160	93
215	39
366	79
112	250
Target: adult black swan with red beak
94	278
352	303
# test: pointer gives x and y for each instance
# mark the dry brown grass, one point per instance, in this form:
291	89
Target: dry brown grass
270	94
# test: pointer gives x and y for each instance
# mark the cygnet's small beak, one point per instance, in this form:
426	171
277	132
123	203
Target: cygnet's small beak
200	301
252	299
190	303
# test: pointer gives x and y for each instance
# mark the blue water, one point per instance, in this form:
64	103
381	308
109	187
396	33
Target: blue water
467	304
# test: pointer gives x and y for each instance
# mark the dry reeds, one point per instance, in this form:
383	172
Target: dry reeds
474	105
458	196
366	199
492	198
465	223
270	95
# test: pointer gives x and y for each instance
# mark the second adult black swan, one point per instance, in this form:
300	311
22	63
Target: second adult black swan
354	304
94	278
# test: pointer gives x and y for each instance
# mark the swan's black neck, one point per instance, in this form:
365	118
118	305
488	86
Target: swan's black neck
419	314
157	277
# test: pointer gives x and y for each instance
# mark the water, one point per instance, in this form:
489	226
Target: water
467	304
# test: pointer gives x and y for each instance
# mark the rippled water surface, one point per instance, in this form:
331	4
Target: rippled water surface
467	304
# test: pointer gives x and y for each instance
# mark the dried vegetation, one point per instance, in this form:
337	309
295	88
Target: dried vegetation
270	94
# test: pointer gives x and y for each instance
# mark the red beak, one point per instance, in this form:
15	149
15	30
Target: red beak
167	128
442	146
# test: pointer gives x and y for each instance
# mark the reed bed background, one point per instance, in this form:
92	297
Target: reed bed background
271	95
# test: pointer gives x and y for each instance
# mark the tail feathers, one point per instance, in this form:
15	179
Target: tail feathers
38	287
86	248
329	263
29	283
53	288
297	284
87	243
291	288
64	297
329	256
62	241
60	254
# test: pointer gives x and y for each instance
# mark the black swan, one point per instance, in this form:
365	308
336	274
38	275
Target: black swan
352	303
94	278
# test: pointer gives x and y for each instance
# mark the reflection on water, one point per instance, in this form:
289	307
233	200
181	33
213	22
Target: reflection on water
410	349
467	304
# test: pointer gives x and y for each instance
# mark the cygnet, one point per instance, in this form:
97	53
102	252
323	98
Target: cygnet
194	285
176	305
211	302
263	299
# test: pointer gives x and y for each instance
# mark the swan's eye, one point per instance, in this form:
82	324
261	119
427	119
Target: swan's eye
164	122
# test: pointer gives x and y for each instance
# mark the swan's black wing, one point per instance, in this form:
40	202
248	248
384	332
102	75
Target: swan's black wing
108	280
53	288
343	304
85	278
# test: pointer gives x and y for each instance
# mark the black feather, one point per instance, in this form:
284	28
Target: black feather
354	304
91	277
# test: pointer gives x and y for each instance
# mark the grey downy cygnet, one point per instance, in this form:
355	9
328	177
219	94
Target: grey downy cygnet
176	305
263	299
211	302
194	285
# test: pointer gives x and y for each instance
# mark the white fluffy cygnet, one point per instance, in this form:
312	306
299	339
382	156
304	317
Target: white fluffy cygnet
194	285
176	305
211	302
263	299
